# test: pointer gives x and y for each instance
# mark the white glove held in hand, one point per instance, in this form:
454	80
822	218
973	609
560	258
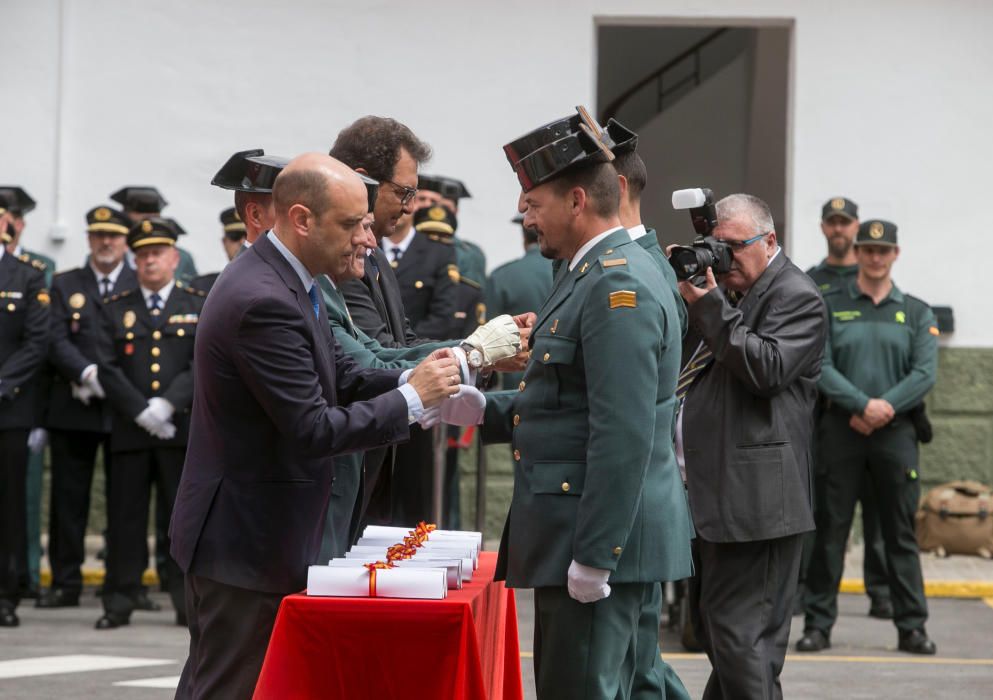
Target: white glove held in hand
430	417
161	408
465	407
83	394
37	439
91	381
496	340
155	419
586	584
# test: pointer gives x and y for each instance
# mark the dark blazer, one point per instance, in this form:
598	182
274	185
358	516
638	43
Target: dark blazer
275	400
428	281
142	356
748	418
76	329
376	304
24	336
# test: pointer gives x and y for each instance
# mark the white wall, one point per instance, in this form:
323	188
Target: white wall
890	106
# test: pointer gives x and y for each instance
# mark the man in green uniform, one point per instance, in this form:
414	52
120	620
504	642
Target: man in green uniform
599	513
141	203
520	286
840	224
146	370
880	360
21	204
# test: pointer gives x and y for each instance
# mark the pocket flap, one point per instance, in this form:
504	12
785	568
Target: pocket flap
552	350
563	478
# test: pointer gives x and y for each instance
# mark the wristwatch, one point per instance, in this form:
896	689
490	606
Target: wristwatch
472	355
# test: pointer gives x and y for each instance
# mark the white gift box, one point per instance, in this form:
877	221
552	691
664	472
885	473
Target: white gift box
353	582
453	567
398	533
463	548
377	553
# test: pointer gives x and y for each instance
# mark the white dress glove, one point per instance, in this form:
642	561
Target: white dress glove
586	584
496	340
88	378
82	393
464	408
155	419
37	439
430	417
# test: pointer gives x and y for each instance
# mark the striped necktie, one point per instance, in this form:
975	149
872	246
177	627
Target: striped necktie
698	363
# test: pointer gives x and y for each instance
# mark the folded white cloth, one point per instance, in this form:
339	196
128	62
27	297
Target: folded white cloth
464	408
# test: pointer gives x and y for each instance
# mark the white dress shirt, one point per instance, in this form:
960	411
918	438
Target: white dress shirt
589	245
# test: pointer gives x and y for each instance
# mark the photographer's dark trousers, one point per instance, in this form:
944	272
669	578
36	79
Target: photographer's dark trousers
741	600
887	458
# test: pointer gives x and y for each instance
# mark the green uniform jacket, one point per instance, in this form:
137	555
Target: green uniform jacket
186	271
650	242
517	287
39	262
889	351
471	260
595	476
831	277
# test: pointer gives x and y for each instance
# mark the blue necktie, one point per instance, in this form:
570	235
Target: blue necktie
313	300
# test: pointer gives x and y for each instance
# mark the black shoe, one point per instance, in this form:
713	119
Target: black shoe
917	642
143	602
8	618
57	598
111	621
881	609
813	640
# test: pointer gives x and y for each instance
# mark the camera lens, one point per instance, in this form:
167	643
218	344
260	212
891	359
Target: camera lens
690	261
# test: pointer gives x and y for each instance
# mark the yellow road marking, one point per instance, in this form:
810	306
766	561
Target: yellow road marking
934	589
988	601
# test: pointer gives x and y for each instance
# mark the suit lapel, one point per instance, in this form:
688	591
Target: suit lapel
390	291
762	284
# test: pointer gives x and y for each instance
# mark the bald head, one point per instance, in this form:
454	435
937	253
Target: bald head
320	203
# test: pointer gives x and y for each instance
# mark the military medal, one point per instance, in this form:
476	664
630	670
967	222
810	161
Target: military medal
129	318
129	348
77	300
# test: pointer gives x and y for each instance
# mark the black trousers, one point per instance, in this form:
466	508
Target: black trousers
229	635
741	601
888	458
132	475
413	478
73	456
13	514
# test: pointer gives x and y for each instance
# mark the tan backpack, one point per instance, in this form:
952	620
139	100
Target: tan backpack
956	518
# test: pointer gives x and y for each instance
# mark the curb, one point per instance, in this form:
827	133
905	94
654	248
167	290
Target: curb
934	589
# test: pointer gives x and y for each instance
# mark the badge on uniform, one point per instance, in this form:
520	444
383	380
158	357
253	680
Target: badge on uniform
624	298
130	317
77	300
129	348
43	298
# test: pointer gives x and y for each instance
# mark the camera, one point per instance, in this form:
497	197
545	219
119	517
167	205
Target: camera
693	260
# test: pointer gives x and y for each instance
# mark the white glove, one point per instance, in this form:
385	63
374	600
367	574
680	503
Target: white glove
155	419
586	584
161	408
496	340
430	417
82	393
89	379
37	439
464	408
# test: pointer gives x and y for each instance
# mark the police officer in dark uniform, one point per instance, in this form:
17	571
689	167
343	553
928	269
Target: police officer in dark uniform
78	420
840	224
880	360
146	368
142	202
233	241
24	337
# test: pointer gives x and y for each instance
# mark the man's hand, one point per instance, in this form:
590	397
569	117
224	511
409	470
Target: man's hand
465	408
877	413
525	320
690	292
860	426
83	393
497	339
517	363
89	380
37	439
436	378
586	584
155	419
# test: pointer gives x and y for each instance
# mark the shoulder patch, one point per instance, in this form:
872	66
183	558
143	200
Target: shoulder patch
38	265
471	282
119	295
624	299
192	290
615	262
453	273
447	240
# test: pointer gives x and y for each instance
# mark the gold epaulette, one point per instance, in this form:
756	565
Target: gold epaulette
447	240
471	283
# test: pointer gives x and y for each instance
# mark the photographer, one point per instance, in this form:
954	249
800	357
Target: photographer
752	357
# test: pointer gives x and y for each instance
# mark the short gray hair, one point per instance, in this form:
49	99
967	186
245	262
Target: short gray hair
748	209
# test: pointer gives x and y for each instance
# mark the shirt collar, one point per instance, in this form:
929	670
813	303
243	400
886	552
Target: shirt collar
856	292
163	293
18	250
306	279
589	245
389	245
637	232
112	275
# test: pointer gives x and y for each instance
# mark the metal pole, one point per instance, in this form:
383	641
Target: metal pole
438	483
480	482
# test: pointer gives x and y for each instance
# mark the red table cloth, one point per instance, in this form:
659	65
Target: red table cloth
463	647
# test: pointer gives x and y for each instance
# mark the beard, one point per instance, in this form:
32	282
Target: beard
839	246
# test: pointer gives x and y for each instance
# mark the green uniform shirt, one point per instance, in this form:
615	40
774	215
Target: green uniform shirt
831	277
889	351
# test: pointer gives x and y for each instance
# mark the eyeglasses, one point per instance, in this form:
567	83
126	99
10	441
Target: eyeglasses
406	194
737	246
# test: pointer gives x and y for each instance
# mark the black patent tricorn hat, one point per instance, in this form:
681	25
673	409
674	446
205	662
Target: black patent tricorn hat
447	187
371	188
249	171
572	142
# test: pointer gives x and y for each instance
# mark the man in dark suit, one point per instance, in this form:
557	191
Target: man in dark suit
78	419
24	334
275	400
747	391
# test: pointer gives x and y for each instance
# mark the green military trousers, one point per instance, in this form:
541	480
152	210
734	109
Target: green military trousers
607	650
889	459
